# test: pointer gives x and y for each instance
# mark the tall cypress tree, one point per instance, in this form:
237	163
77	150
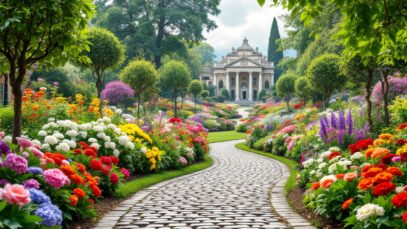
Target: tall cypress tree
273	54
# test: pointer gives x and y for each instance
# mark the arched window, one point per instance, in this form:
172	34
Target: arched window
267	84
220	84
244	85
254	82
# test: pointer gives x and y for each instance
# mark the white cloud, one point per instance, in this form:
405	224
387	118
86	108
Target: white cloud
243	18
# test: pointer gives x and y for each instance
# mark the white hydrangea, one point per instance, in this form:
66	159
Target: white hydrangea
117	131
143	150
322	165
63	147
116	152
107	120
97	128
101	135
130	145
367	210
325	154
111	126
118	111
334	149
85	127
46	126
344	162
8	139
96	145
72	133
107	139
308	163
92	140
320	160
123	140
112	145
51	140
45	146
72	144
356	155
83	134
58	135
332	168
42	133
36	142
53	125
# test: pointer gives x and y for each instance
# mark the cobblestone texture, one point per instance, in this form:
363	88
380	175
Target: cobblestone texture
233	193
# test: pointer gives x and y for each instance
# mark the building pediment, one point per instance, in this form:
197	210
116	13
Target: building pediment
243	62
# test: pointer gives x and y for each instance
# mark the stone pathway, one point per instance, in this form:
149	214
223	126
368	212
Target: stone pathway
236	192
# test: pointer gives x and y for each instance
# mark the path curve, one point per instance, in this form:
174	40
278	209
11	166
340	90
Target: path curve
241	190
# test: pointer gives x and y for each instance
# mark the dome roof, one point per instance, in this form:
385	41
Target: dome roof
245	46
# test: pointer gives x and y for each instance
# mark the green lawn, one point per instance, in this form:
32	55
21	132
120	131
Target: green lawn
292	165
225	136
136	185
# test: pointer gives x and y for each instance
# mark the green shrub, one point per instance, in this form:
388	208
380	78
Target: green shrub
259	144
279	146
6	118
242	128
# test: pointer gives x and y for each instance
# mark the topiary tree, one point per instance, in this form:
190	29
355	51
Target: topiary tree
225	93
262	95
205	94
37	32
285	87
140	75
325	75
106	52
303	88
116	92
195	88
175	78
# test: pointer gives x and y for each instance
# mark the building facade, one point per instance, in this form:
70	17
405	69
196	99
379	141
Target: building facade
5	91
244	72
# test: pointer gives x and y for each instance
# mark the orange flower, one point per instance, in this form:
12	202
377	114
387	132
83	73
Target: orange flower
380	152
315	185
350	176
68	170
372	172
382	177
394	171
387	137
327	183
365	183
25	98
79	192
347	203
77	179
81	167
74	200
340	176
369	152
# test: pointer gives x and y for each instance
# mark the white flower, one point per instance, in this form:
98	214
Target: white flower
399	189
107	120
71	144
96	145
325	154
356	156
118	111
83	134
123	140
107	145
72	133
117	131
111	126
107	139
334	149
46	126
51	120
112	145
42	133
53	125
364	164
322	165
308	162
116	152
344	162
36	142
130	145
45	146
64	147
320	160
319	174
368	210
58	135
92	140
312	172
97	128
85	126
329	177
332	168
101	135
143	150
51	140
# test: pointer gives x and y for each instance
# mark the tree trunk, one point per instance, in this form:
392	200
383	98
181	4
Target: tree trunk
182	102
175	107
195	103
99	84
385	91
17	91
368	85
160	37
287	101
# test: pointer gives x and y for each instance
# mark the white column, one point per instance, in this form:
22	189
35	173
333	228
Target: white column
215	84
227	82
250	86
260	82
237	92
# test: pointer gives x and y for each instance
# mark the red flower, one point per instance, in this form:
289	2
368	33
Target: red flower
114	178
77	179
106	160
360	145
125	172
400	200
395	171
333	155
90	152
83	144
402	126
95	190
347	203
383	189
79	192
74	200
386	159
175	120
404	217
401	142
106	170
96	165
56	157
315	185
340	176
81	167
115	160
77	151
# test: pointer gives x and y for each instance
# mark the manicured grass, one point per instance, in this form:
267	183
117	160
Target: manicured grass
137	184
225	136
292	165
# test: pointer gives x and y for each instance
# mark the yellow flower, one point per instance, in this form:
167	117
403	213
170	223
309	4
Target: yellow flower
378	142
386	136
401	149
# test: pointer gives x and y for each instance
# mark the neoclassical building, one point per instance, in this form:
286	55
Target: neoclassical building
244	72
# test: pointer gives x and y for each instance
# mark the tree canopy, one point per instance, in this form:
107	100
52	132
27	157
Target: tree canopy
195	88
274	53
286	87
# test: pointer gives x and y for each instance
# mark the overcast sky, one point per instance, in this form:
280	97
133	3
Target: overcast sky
243	18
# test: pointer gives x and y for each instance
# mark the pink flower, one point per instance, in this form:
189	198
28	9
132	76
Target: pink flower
287	129
17	163
56	178
2	134
36	152
183	161
15	194
290	145
24	142
125	172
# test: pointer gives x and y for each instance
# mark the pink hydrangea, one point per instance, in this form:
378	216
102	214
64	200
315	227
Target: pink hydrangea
290	145
183	161
15	194
36	152
56	178
17	163
24	142
397	86
287	129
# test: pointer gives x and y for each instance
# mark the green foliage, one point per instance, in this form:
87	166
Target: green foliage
274	54
142	76
223	136
286	86
279	146
175	78
262	95
195	88
242	128
56	75
259	144
399	110
106	52
225	93
205	94
325	75
6	118
303	88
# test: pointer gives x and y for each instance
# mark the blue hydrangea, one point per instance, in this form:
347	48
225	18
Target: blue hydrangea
38	196
50	214
34	170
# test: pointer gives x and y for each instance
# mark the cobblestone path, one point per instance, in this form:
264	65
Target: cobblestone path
234	193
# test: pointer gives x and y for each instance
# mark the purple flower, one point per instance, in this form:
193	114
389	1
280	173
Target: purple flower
323	129
4	182
31	183
34	170
341	124
51	215
349	122
341	136
333	120
55	84
396	159
4	148
38	196
116	92
16	163
145	128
